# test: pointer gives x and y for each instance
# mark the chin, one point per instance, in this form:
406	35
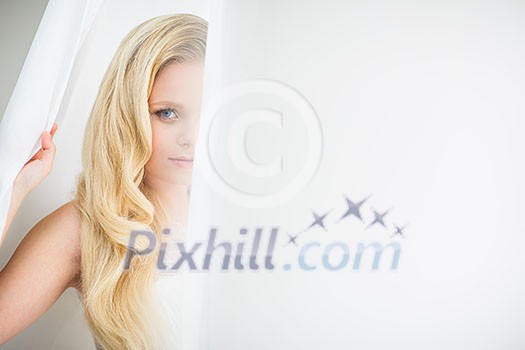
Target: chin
182	180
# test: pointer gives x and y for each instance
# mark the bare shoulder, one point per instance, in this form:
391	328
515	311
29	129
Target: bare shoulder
43	266
64	224
67	220
61	230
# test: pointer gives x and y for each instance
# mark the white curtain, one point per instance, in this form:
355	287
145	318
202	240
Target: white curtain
420	108
36	98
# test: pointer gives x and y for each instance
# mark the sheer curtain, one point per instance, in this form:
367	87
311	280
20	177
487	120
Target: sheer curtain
420	108
40	88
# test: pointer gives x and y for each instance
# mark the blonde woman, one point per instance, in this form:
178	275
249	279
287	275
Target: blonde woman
137	166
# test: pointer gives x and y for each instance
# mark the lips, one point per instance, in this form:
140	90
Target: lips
182	161
183	158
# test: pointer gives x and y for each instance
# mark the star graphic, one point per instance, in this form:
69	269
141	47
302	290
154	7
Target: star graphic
353	208
318	220
292	239
379	218
399	231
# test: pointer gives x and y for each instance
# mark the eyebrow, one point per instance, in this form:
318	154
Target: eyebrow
169	103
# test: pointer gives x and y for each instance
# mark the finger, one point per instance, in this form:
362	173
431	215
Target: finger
48	149
53	129
47	142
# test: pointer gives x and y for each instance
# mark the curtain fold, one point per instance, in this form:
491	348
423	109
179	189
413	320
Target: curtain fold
40	87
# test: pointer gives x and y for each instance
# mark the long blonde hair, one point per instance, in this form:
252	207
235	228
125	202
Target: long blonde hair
112	196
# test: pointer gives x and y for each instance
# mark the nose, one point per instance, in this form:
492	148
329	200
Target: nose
184	141
187	135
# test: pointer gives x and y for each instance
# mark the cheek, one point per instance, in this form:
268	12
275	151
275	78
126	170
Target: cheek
161	140
157	148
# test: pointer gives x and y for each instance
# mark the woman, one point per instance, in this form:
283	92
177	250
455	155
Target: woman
137	165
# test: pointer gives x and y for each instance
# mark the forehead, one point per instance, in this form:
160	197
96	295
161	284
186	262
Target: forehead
179	82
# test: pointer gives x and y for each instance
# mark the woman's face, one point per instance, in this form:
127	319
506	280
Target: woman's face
174	106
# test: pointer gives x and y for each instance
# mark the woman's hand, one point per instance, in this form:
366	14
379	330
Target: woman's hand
38	167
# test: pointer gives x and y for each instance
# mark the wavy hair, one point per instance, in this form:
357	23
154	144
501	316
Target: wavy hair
112	196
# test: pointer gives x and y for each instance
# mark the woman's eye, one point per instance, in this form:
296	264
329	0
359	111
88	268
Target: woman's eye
167	113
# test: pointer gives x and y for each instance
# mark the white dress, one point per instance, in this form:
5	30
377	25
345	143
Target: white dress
169	288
